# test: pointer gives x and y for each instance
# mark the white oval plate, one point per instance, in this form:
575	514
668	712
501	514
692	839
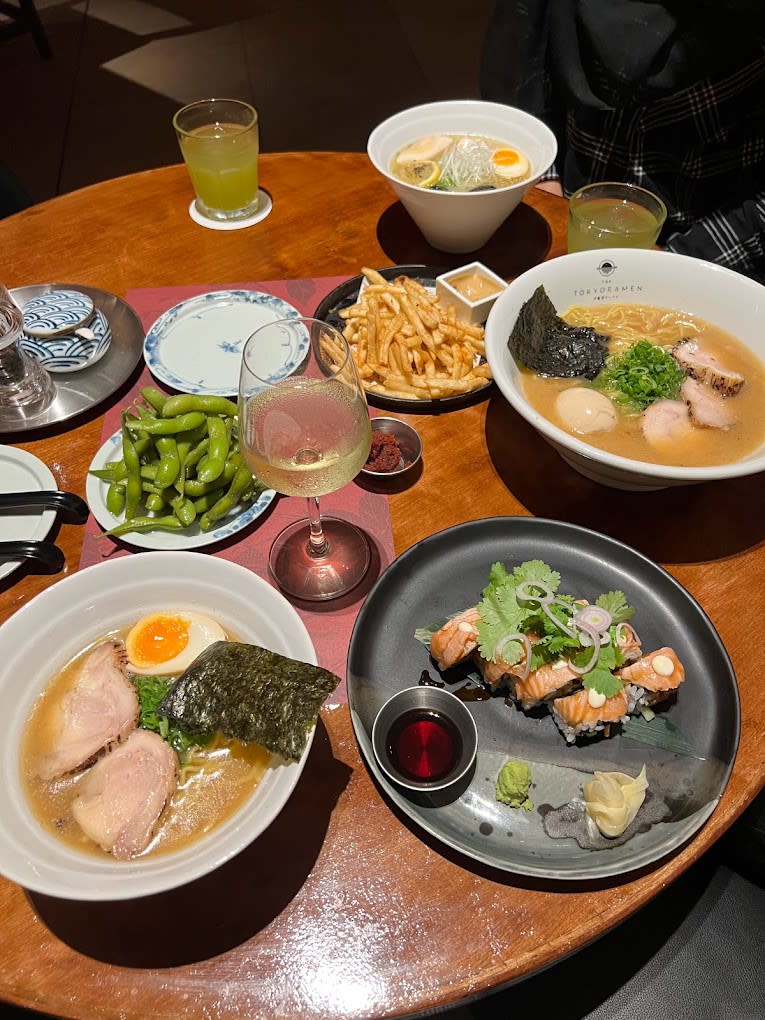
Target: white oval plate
67	617
23	472
188	538
48	314
196	346
70	352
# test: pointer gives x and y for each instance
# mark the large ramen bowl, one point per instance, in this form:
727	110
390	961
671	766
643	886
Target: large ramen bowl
42	636
462	221
728	300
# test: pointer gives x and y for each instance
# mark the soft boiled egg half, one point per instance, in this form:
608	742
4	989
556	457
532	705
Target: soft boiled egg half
168	642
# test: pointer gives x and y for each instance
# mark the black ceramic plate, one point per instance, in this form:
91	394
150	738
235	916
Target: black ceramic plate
446	573
345	295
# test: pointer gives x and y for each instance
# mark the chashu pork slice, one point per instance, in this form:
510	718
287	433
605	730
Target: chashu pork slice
706	407
100	710
706	368
122	797
665	422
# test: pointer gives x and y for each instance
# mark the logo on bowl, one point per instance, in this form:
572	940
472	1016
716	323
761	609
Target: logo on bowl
606	267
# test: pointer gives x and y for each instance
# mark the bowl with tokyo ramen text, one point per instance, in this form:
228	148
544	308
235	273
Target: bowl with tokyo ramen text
679	395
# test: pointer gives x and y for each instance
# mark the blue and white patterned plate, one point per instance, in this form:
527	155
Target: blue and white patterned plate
70	352
196	346
188	538
56	312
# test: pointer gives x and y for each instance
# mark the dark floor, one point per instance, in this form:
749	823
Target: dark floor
322	75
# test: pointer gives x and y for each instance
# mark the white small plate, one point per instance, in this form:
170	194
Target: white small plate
188	538
23	472
71	352
196	346
57	311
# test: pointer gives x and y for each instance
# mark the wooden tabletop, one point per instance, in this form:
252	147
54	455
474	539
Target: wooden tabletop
342	908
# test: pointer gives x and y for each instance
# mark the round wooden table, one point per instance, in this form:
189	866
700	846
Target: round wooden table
342	908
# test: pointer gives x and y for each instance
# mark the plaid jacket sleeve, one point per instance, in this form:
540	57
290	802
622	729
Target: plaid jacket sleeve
734	238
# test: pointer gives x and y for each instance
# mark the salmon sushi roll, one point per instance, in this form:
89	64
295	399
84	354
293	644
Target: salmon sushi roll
653	678
576	716
495	675
552	680
456	640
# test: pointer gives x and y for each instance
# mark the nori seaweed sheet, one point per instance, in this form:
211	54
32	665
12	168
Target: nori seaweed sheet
250	693
543	342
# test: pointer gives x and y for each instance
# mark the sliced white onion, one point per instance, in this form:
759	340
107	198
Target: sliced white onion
593	639
528	591
522	639
593	617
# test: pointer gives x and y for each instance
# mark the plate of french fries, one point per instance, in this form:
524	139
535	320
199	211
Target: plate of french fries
408	347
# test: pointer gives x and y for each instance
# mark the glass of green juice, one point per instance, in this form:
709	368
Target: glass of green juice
219	142
614	215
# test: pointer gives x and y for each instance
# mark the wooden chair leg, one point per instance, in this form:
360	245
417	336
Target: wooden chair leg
24	18
36	28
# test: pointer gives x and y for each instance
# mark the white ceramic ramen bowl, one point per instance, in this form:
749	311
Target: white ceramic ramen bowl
42	636
729	300
462	221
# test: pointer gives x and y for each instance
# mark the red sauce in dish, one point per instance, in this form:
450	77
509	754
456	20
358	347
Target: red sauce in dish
385	454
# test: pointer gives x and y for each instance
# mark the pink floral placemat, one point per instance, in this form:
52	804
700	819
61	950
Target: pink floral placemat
329	624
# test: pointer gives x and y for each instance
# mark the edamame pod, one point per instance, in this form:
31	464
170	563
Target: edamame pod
226	503
140	524
169	461
212	464
168	426
183	403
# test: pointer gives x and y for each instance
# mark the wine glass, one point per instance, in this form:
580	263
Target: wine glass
304	431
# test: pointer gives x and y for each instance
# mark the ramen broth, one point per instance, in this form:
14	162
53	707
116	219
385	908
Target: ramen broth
214	780
625	325
460	162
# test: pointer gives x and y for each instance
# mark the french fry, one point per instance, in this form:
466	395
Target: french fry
407	345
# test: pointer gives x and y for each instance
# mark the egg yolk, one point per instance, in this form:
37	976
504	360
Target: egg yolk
161	638
506	158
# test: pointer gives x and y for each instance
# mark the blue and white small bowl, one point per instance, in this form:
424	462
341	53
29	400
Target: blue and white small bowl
58	312
71	352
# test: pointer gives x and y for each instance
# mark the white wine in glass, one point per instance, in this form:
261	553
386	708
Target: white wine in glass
306	432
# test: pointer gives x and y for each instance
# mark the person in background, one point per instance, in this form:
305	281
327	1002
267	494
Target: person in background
667	94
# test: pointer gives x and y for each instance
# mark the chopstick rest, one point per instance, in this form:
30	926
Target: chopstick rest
68	502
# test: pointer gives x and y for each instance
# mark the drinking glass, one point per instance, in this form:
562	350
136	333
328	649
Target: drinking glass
219	142
306	432
614	215
26	389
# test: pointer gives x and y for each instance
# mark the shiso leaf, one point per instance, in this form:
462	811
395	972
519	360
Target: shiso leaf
547	345
250	693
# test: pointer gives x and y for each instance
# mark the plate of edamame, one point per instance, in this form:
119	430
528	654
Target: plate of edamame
172	476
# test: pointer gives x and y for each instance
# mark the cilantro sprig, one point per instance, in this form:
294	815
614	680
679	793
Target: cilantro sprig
504	611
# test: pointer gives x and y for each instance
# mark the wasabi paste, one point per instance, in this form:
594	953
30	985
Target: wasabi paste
513	784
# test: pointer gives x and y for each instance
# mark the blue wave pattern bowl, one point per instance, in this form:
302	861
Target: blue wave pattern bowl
59	311
71	352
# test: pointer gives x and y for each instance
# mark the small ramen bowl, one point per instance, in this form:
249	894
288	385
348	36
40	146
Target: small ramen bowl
462	221
65	619
728	300
409	443
425	739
